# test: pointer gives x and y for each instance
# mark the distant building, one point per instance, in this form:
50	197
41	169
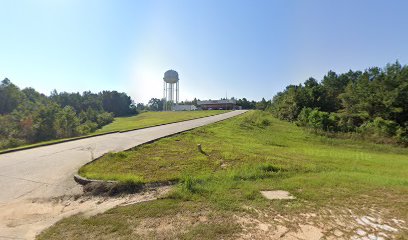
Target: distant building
177	107
228	104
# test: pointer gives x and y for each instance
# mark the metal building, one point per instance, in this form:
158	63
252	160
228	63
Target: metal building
225	104
171	89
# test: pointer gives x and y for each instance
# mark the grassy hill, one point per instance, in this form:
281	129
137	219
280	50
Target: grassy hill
342	187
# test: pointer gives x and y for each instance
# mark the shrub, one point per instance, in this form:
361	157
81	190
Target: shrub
256	119
303	117
188	184
268	167
104	118
264	122
379	128
317	119
11	142
402	134
350	122
87	127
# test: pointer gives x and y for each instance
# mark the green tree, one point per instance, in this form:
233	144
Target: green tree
156	104
120	104
10	96
44	122
262	105
245	104
66	123
371	102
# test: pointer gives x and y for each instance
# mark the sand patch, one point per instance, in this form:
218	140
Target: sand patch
277	194
26	218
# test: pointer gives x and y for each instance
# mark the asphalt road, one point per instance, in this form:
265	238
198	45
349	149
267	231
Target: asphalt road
48	171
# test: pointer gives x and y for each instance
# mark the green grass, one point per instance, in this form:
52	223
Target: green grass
143	120
243	156
148	119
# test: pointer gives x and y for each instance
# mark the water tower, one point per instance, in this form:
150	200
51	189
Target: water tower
171	89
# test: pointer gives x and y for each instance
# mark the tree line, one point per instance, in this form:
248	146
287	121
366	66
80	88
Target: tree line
372	103
27	116
157	104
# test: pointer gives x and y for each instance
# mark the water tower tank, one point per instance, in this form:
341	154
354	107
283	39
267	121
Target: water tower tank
171	76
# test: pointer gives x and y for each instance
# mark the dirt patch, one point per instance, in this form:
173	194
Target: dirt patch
187	220
27	218
333	223
277	194
176	226
256	229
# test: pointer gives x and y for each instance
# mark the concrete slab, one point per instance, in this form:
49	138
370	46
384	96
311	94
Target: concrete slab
277	194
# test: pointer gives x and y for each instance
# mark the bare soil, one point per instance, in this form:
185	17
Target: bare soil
27	218
328	223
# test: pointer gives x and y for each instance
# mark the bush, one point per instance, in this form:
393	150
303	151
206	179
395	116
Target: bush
317	119
104	118
257	119
303	117
334	120
6	125
11	143
379	128
87	127
402	134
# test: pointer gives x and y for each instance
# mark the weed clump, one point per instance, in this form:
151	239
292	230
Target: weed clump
254	172
268	167
256	119
121	155
188	184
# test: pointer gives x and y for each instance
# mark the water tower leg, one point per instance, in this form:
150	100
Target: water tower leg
164	95
177	92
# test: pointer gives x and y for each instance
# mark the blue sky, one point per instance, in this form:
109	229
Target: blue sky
247	48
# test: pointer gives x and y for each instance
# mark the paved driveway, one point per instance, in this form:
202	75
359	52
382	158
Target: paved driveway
47	172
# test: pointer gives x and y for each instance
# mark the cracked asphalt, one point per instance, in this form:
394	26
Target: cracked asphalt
47	172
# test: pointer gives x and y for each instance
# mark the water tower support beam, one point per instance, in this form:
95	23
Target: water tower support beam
177	92
164	93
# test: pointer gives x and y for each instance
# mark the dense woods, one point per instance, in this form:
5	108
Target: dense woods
372	103
27	116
